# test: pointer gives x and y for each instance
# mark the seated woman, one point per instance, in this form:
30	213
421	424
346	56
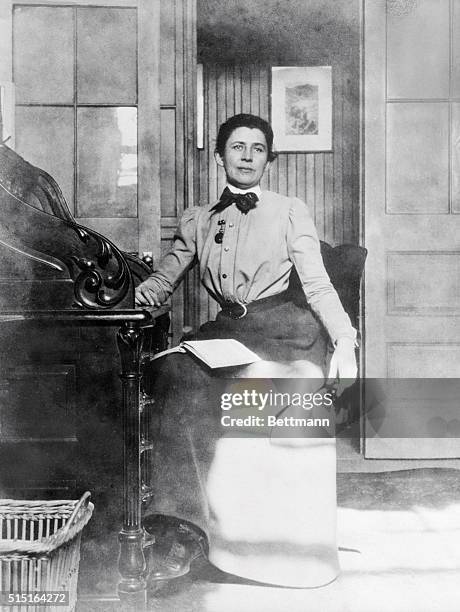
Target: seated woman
256	505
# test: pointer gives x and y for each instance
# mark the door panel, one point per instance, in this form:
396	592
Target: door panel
423	360
417	56
106	55
412	290
417	157
107	162
81	64
45	137
433	292
42	38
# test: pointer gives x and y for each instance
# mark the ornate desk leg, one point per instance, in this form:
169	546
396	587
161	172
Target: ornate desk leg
131	563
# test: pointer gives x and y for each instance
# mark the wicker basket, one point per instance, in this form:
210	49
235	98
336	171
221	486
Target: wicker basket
40	547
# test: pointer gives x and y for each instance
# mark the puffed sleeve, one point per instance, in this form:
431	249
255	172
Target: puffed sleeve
304	252
180	258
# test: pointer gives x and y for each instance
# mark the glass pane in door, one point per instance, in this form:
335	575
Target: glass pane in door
107	162
106	56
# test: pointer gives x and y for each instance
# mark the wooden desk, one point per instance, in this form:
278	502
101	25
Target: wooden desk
139	333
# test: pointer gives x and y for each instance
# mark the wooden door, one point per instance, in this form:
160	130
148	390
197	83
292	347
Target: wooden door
105	102
86	82
412	222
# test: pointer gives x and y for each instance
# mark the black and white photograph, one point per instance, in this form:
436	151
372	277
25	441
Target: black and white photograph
305	95
301	110
229	305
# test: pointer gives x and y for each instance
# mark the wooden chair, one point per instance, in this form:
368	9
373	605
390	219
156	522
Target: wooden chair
344	265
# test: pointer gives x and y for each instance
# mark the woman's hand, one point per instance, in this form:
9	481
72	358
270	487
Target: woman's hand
343	364
146	294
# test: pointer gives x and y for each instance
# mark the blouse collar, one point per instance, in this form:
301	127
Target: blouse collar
257	190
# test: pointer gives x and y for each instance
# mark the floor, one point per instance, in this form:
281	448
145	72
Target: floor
350	458
399	539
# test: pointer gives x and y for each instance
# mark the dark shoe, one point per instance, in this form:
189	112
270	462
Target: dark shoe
177	544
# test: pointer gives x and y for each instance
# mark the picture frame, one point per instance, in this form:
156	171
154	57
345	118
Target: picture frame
301	108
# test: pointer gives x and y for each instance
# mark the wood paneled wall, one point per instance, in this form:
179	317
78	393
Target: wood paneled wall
178	148
327	182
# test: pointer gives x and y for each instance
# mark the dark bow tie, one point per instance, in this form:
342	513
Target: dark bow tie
244	201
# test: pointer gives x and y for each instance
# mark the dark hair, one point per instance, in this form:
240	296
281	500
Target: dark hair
249	121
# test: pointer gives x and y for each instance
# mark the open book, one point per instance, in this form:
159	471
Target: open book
218	353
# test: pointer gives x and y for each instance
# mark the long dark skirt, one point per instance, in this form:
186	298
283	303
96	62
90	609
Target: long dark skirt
185	392
286	332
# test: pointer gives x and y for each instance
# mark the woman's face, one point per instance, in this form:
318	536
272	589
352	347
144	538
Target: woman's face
245	157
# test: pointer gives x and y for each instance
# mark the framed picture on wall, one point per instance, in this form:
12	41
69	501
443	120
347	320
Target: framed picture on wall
301	108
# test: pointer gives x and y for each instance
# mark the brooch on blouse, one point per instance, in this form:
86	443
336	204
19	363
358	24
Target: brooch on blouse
220	234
